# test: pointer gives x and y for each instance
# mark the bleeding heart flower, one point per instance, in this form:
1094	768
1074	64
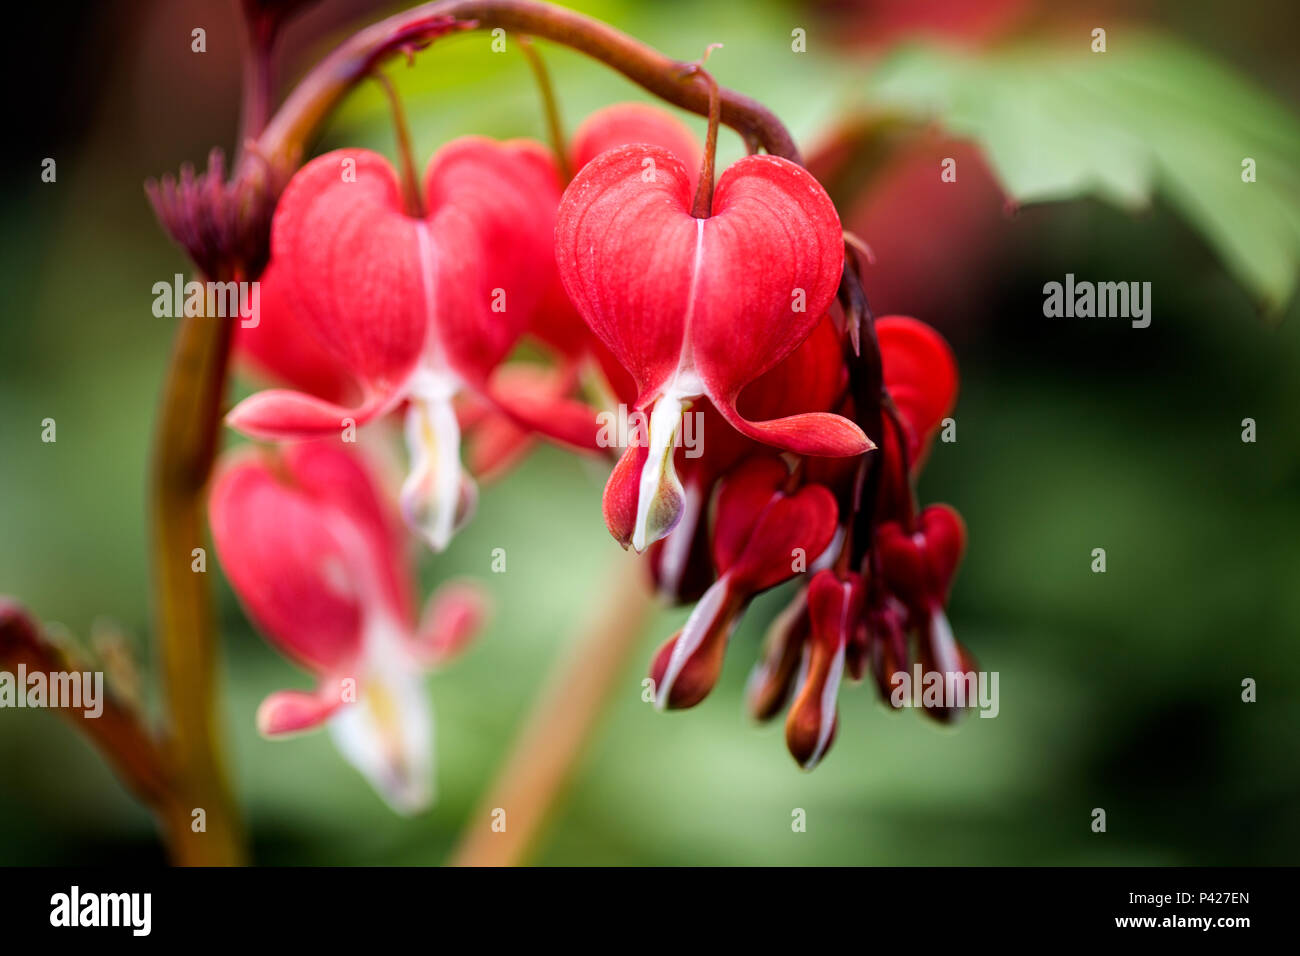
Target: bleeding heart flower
315	555
863	607
499	439
835	603
763	535
919	567
698	307
812	378
416	309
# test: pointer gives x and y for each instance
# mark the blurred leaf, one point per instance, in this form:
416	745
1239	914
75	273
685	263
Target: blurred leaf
1151	116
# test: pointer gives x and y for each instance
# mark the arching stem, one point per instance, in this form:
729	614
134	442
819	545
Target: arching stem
315	97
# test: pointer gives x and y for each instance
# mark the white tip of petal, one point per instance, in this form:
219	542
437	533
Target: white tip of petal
387	734
438	496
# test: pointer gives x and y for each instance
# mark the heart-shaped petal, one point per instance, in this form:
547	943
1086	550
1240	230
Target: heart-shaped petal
704	306
290	571
921	377
352	263
763	535
919	567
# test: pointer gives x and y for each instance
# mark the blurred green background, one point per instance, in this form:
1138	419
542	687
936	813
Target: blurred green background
1119	690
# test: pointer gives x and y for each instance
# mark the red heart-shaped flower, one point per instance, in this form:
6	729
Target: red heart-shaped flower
696	307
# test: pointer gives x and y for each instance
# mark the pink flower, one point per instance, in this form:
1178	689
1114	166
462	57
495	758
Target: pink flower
315	555
417	310
697	308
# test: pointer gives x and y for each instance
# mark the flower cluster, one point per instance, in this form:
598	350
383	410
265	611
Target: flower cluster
388	300
734	312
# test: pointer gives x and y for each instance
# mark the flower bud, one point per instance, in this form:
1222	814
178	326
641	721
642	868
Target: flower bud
834	607
770	681
919	567
687	666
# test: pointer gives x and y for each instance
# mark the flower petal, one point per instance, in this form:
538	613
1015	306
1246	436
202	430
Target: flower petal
688	665
761	531
814	433
351	263
490	250
626	246
773	252
451	619
278	414
288	712
340	479
284	347
438	496
292	574
920	376
387	734
833	607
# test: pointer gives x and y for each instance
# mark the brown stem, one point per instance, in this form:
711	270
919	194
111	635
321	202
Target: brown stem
702	208
185	444
406	154
259	84
550	106
117	733
546	753
315	97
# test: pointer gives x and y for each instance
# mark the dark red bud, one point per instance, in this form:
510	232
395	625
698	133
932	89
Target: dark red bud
773	676
762	535
941	653
834	606
887	636
919	567
688	665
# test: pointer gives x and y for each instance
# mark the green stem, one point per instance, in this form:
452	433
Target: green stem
554	126
184	448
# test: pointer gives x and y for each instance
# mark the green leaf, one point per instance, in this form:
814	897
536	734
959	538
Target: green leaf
1149	117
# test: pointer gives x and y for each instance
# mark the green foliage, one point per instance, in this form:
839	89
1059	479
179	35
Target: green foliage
1149	117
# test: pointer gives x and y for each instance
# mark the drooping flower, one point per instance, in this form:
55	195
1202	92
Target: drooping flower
886	609
417	310
315	554
812	378
496	440
876	574
698	308
763	534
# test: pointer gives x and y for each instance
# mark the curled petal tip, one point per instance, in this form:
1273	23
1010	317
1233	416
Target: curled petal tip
452	619
290	712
